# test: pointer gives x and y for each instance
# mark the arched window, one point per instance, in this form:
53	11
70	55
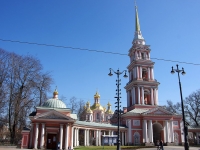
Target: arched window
98	116
136	137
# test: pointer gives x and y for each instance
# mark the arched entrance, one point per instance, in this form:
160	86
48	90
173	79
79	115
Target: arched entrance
157	128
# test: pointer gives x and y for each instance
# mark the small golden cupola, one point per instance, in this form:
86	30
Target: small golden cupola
88	110
97	105
96	97
55	94
109	111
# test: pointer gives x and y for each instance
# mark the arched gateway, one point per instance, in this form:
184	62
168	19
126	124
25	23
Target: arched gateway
157	129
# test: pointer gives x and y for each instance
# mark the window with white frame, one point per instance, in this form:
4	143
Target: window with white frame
136	122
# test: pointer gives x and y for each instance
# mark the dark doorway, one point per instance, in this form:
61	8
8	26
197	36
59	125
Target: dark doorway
51	141
157	128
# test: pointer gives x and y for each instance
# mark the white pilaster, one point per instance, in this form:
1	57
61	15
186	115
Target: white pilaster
134	73
88	137
129	132
36	136
138	95
148	73
136	55
133	95
152	74
77	144
42	137
149	56
66	136
152	100
140	72
150	133
157	96
145	55
123	138
142	88
140	55
155	100
85	137
99	137
75	138
172	131
128	99
166	130
144	131
137	71
61	136
72	138
96	137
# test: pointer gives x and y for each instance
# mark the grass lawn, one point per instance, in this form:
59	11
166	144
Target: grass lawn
108	147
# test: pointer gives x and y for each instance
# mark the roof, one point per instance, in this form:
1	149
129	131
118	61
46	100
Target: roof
95	124
54	103
150	111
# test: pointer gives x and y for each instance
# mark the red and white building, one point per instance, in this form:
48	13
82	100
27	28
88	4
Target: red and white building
144	120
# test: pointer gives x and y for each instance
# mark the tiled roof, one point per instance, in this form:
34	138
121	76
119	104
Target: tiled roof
95	124
138	111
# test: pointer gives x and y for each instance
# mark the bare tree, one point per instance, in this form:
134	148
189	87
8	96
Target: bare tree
76	106
42	86
3	75
174	108
22	85
80	108
192	108
73	104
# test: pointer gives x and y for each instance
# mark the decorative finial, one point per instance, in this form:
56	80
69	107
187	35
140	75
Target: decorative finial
55	93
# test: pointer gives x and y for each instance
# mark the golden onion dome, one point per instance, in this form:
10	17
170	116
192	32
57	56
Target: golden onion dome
97	106
96	95
89	111
109	104
55	92
109	111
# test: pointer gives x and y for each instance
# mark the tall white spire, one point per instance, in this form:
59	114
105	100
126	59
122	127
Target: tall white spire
138	39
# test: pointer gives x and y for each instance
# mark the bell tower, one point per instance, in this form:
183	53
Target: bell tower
142	88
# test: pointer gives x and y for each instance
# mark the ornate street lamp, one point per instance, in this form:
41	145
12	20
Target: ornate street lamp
118	101
183	113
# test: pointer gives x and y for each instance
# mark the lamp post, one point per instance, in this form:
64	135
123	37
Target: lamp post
183	113
118	73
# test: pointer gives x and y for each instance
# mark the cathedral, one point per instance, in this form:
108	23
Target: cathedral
143	121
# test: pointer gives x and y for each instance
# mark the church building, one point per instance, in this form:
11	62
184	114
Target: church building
143	121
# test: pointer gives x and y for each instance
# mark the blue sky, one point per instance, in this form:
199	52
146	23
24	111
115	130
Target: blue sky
170	27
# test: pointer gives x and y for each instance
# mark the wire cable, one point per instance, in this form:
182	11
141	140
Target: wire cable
91	50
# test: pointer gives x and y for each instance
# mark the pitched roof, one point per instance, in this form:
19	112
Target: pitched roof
95	124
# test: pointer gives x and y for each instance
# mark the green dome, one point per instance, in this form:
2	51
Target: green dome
54	103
